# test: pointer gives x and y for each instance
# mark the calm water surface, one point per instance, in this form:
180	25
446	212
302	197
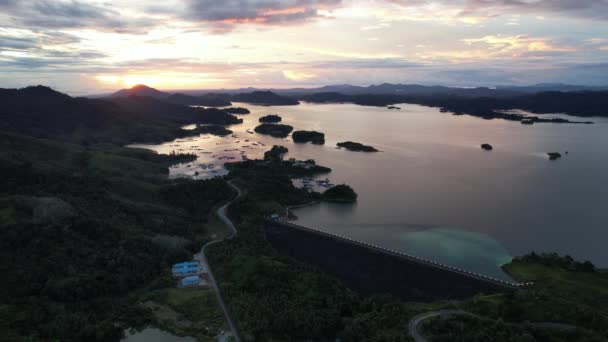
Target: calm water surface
433	192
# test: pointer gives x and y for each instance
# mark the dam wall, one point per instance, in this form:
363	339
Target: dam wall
370	269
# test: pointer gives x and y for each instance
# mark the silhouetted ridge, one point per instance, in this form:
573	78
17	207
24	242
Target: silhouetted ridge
585	103
140	90
208	100
264	98
42	112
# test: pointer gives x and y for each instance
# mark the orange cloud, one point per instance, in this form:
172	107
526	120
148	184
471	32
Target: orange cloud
516	45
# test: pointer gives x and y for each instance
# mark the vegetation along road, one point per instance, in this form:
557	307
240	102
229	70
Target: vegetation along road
414	322
221	213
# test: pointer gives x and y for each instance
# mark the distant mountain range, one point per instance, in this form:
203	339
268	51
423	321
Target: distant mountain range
192	97
482	102
409	89
143	113
208	99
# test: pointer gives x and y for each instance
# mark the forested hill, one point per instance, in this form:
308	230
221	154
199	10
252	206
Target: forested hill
42	112
584	103
84	230
86	225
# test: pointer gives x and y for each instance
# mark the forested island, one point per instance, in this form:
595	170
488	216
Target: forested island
276	153
213	129
275	130
357	147
220	117
236	110
314	137
340	193
270	118
554	155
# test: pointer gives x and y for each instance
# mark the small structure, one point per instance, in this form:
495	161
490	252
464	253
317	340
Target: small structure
185	268
527	121
186	263
190	281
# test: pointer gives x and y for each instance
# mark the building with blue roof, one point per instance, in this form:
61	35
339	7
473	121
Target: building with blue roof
190	281
186	264
185	268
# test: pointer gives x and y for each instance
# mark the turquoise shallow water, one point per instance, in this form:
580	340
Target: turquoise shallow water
459	248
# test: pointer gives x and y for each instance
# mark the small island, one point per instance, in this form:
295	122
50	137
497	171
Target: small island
274	130
487	147
236	110
554	155
276	153
270	118
356	147
213	129
527	121
341	193
218	117
314	137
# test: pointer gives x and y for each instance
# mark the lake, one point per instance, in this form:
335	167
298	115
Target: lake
432	191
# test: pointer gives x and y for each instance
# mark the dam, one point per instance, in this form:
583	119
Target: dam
370	269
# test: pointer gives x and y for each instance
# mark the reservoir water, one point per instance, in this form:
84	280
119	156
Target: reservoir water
432	191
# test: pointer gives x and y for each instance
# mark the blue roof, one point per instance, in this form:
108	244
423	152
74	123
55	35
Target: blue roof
191	280
186	264
185	270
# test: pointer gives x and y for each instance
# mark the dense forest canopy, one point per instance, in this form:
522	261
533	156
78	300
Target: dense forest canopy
83	229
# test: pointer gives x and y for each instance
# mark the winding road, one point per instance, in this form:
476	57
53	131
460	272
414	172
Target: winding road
221	213
414	322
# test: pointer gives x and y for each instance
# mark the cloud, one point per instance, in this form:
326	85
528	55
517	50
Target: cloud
17	43
225	14
295	75
474	11
70	14
516	45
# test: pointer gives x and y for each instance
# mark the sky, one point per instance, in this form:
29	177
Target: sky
93	46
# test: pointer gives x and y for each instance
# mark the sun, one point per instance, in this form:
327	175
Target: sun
164	80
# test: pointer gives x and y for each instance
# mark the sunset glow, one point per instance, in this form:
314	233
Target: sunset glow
91	46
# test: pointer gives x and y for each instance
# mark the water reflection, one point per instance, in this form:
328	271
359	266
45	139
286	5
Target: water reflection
432	171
